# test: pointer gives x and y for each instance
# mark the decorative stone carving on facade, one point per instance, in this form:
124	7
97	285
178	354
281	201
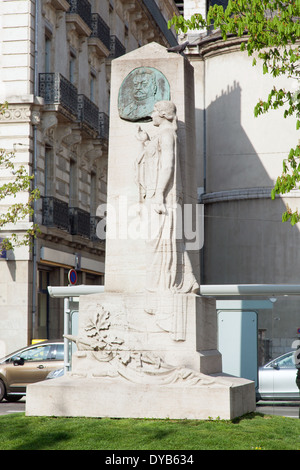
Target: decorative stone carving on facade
48	124
16	114
61	133
36	118
90	153
72	140
61	5
103	166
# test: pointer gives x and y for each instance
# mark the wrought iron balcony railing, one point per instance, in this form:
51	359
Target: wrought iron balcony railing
79	221
100	30
56	89
103	126
88	113
83	9
116	48
55	213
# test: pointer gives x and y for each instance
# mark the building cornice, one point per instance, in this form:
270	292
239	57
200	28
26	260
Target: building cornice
210	45
244	194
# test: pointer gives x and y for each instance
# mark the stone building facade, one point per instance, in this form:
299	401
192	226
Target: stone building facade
55	58
239	157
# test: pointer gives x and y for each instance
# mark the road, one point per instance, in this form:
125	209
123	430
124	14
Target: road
289	410
8	408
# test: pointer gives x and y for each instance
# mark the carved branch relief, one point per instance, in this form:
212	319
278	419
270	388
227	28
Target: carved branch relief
113	359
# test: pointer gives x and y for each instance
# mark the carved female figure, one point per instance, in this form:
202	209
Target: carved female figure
160	186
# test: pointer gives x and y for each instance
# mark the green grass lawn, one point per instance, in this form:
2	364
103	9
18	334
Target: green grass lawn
251	432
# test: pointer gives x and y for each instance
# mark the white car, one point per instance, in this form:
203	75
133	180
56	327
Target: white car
277	379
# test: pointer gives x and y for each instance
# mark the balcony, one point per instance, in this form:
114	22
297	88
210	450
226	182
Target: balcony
80	14
100	36
88	115
103	126
116	48
55	213
62	5
79	221
60	93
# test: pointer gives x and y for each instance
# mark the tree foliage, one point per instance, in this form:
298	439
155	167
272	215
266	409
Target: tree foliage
269	30
13	182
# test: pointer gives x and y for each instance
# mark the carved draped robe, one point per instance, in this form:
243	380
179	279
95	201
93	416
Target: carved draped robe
167	262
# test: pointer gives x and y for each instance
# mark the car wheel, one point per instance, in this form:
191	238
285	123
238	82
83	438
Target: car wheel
13	398
2	390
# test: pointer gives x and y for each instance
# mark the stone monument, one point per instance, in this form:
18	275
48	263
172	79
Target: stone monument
147	346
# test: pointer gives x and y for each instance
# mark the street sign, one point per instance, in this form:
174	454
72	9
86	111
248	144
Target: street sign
72	276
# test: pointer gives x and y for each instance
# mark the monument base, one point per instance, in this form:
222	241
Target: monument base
132	364
223	397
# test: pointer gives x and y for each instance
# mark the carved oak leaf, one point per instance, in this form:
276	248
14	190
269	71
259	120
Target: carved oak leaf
100	323
117	341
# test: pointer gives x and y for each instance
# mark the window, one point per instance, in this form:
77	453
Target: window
48	51
73	184
285	362
93	194
48	352
93	86
57	352
48	171
38	353
72	67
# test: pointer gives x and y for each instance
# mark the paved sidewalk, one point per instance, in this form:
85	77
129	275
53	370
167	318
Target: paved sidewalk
289	410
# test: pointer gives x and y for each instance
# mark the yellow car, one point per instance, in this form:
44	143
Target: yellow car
28	365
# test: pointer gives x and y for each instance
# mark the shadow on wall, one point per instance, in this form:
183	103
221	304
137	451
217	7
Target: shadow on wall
245	240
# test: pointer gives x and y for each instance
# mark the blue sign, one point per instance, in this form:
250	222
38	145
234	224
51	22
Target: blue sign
72	276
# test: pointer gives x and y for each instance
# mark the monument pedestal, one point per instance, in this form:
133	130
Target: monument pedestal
134	364
181	329
218	397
